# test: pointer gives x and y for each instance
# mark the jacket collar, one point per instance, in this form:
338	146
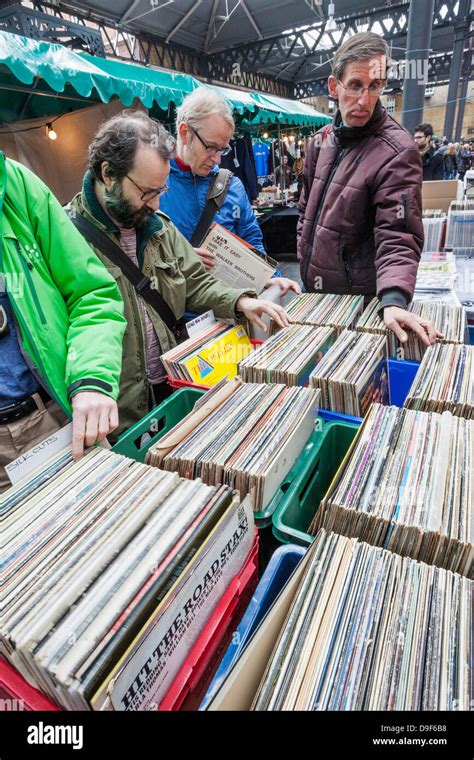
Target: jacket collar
144	234
184	174
426	157
348	135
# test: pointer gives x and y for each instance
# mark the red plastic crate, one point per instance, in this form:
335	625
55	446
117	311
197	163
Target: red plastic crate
17	694
176	383
188	688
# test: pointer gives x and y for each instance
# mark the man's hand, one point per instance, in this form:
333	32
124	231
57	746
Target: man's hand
208	258
253	308
94	416
284	284
396	319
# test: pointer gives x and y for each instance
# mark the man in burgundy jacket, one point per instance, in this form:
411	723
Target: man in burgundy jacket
360	229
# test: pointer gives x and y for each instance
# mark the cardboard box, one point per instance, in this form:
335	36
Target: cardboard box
440	193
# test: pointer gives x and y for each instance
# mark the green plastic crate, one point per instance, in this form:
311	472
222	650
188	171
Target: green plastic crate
308	481
136	441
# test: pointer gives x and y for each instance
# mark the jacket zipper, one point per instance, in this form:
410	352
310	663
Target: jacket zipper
319	209
346	268
27	266
405	209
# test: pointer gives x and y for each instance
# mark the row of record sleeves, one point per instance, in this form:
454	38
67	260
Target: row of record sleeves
454	230
68	643
112	567
349	366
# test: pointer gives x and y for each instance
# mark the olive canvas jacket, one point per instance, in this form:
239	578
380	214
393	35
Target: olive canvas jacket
164	254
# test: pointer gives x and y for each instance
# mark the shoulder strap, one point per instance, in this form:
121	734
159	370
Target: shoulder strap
114	253
215	198
326	132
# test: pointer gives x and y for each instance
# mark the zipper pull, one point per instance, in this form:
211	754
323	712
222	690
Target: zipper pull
21	252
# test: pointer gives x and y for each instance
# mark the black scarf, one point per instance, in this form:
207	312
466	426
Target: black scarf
345	136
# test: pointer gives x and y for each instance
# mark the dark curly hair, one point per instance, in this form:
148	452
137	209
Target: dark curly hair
118	139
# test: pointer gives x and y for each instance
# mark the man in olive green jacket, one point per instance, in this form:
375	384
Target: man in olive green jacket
61	324
128	168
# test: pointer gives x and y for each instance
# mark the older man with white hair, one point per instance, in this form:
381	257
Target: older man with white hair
199	191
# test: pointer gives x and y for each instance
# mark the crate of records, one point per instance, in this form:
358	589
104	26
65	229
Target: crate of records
358	628
450	321
111	570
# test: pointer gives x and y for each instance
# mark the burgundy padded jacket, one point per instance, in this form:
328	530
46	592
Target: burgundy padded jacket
360	229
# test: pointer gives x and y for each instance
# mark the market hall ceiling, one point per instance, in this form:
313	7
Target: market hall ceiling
282	40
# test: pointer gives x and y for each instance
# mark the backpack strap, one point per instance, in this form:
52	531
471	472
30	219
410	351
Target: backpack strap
215	197
141	283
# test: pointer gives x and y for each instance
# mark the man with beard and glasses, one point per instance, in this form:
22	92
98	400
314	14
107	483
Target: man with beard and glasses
433	162
118	213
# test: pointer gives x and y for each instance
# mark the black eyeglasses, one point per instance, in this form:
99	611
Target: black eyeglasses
356	90
149	195
212	149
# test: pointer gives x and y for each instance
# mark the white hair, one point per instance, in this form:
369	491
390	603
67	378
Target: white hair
201	104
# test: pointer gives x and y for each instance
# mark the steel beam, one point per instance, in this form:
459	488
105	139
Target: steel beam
416	62
460	33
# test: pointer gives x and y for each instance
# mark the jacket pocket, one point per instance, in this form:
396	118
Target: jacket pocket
170	282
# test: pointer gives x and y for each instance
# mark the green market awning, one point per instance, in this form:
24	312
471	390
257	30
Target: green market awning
258	108
41	79
151	86
286	111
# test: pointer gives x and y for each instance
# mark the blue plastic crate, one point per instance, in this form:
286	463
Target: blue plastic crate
277	572
400	375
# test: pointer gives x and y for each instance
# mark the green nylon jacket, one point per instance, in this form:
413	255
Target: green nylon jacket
163	253
67	306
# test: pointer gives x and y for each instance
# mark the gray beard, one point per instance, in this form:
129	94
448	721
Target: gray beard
122	210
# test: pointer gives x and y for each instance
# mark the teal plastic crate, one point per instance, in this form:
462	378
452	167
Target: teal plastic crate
308	481
136	441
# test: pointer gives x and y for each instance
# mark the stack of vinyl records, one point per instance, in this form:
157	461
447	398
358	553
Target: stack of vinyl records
353	374
445	381
321	310
287	357
209	356
370	630
247	436
460	230
434	220
91	549
436	273
448	320
407	484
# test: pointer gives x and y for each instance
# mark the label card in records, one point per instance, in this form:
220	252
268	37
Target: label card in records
38	454
200	323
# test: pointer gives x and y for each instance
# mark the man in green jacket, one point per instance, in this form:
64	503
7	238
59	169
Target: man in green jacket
61	324
128	168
